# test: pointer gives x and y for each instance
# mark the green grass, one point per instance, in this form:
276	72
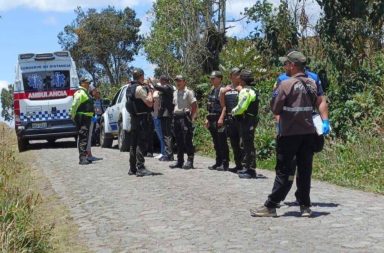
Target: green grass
32	219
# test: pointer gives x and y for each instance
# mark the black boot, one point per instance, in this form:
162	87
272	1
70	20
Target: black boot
250	173
176	165
213	167
189	164
235	169
223	167
84	160
143	172
131	172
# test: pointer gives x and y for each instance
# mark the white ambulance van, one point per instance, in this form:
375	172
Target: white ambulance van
43	94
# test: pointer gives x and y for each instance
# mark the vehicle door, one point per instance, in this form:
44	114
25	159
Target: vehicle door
113	112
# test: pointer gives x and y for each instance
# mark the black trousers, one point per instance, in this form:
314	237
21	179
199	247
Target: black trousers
151	132
233	132
83	123
184	133
219	138
289	149
247	134
139	140
166	129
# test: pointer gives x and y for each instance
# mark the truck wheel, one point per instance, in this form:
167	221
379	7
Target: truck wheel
22	145
123	139
105	138
51	141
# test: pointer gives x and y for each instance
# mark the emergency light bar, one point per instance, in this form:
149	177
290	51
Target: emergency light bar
43	57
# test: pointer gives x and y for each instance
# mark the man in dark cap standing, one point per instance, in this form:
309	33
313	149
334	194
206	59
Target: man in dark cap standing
293	100
140	100
185	113
218	133
246	113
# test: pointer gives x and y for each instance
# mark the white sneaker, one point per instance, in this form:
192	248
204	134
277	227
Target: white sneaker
159	156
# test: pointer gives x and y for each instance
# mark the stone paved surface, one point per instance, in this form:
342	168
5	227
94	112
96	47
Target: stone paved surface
202	210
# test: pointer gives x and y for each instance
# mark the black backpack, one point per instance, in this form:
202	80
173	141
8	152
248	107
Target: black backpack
130	95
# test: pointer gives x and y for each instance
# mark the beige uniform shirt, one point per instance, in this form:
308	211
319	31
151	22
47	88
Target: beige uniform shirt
183	100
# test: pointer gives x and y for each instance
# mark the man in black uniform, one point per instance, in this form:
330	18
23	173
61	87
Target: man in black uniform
228	100
218	133
165	114
139	103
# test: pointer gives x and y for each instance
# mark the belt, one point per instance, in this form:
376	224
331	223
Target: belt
142	113
298	109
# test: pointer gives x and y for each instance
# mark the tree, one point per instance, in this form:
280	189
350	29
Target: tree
187	36
276	31
103	43
7	103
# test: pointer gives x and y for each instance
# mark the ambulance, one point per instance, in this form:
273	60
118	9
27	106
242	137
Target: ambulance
43	92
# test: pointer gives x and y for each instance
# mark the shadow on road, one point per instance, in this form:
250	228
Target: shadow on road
316	204
37	145
315	214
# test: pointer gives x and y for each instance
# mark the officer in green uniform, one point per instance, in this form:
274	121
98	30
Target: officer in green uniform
246	113
82	111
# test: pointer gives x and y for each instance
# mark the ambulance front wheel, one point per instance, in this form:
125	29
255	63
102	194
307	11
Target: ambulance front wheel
22	144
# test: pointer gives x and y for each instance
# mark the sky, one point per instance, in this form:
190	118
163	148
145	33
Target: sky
32	26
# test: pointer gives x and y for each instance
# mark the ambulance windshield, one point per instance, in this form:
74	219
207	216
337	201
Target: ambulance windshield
46	80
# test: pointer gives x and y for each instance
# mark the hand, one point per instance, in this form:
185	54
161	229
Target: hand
220	122
206	123
326	127
94	119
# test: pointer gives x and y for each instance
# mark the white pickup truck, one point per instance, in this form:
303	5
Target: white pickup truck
116	122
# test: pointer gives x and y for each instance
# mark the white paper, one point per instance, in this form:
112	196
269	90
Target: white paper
318	122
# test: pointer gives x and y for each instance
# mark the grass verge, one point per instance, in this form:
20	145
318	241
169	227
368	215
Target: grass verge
31	216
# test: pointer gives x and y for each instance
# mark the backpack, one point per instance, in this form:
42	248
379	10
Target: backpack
130	96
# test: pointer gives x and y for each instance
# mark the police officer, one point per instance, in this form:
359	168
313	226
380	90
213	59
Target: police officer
82	111
166	114
185	113
293	101
141	98
246	113
218	133
228	100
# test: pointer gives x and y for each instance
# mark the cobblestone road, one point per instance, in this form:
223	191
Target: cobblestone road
202	210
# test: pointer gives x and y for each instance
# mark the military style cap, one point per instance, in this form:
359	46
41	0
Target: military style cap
137	72
179	77
293	56
85	80
216	73
235	70
246	75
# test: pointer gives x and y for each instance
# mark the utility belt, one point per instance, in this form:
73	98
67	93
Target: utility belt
141	115
244	116
182	114
213	116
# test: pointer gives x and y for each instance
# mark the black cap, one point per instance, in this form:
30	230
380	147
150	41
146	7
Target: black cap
246	75
164	77
216	73
85	80
137	73
179	77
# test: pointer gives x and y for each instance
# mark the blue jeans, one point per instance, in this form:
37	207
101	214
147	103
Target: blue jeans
159	133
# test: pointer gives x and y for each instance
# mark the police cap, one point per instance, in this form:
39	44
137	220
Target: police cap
235	71
216	73
137	73
85	79
293	56
179	77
